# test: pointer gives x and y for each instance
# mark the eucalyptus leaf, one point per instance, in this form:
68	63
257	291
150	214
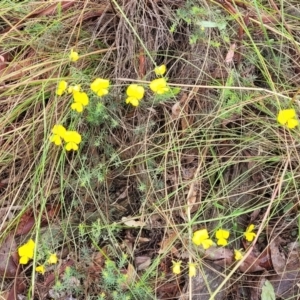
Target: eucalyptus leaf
268	292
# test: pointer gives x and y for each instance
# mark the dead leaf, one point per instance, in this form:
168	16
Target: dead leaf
96	264
143	240
167	244
142	262
131	276
26	223
8	258
176	110
132	223
18	287
285	284
230	53
278	258
219	255
251	264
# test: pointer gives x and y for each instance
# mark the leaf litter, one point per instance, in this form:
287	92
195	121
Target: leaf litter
189	171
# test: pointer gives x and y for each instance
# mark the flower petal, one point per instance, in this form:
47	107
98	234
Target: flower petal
40	269
161	70
74	56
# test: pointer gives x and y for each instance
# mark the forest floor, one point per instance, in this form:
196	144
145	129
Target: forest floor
122	181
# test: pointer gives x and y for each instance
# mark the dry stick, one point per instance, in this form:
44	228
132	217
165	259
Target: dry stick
188	212
212	297
212	87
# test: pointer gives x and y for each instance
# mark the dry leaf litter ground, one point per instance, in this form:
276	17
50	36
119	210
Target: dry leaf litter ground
209	155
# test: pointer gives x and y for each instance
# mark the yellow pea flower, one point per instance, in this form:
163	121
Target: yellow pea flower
77	106
238	255
59	132
222	235
249	234
133	101
161	70
40	269
74	56
176	268
81	100
201	237
159	86
81	97
74	88
71	146
207	243
52	260
287	117
26	252
61	87
192	270
72	139
100	86
135	93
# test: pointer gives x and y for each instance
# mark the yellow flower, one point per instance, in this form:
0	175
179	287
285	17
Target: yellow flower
248	234
238	255
74	88
159	86
100	86
61	87
201	237
59	132
176	268
287	117
207	243
52	260
222	236
40	269
133	101
161	70
81	99
77	106
74	56
135	93
26	252
192	270
72	139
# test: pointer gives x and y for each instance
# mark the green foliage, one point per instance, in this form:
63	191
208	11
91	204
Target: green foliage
166	96
268	292
115	283
69	284
200	19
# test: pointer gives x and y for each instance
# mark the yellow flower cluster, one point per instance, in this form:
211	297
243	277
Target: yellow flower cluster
176	268
52	260
80	99
287	117
26	253
201	237
71	138
135	93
